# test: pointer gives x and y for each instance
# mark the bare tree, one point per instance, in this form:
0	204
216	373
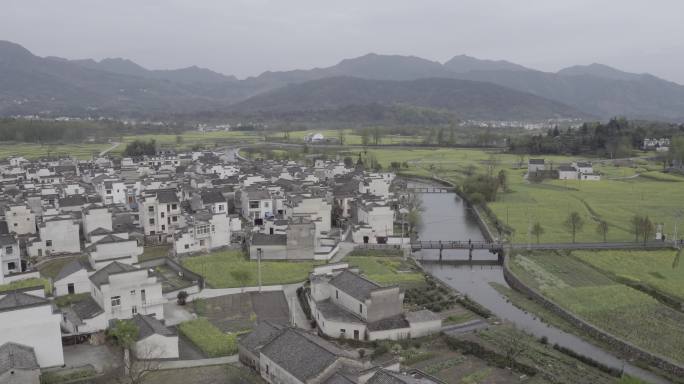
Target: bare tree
513	346
636	226
574	224
647	229
602	229
537	230
124	333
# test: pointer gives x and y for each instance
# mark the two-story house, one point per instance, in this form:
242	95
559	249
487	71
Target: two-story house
160	214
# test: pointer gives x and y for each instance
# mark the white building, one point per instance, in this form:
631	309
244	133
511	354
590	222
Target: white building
375	223
160	214
58	234
155	340
20	219
345	304
123	291
72	279
256	204
203	232
113	247
27	318
10	256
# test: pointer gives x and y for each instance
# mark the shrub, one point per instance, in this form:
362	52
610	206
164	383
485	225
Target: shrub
182	297
208	338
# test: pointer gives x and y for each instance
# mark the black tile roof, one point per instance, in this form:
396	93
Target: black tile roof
263	239
86	308
102	276
354	285
299	355
16	356
149	325
262	334
16	299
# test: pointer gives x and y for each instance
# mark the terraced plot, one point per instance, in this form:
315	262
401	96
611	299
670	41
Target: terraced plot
616	308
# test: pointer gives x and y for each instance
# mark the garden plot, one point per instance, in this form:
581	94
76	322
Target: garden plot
616	308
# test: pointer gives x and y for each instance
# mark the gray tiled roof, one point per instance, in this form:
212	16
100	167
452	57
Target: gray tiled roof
72	201
211	197
299	355
86	308
7	240
263	333
335	312
17	356
354	285
149	325
394	322
69	269
102	276
338	378
263	239
16	299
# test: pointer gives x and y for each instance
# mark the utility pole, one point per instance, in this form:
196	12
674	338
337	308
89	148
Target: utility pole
259	252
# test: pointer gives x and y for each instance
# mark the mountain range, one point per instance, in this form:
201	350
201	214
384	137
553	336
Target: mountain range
463	88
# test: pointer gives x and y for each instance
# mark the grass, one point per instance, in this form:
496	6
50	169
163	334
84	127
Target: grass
67	377
65	301
658	269
615	199
616	308
218	268
34	151
387	270
350	137
209	339
27	283
154	252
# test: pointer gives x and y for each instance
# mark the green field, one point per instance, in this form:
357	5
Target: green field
217	269
208	338
616	308
34	151
351	137
658	269
387	270
622	192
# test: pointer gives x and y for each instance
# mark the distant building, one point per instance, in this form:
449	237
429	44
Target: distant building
534	165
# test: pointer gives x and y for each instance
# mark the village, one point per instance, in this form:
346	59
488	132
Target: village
93	223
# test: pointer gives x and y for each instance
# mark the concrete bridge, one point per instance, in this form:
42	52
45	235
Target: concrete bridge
431	190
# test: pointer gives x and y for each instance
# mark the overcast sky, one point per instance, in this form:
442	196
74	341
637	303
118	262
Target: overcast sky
248	37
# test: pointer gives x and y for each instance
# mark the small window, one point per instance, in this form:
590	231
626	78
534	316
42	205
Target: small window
8	250
174	219
163	227
174	206
133	292
187	246
162	215
11	266
16	224
48	243
337	294
360	308
134	310
201	243
143	297
151	221
109	191
151	208
116	301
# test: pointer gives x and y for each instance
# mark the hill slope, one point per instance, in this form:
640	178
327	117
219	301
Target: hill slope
464	99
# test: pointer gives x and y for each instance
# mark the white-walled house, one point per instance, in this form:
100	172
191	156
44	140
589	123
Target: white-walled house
345	304
375	223
567	172
123	291
58	234
28	318
96	217
155	340
73	278
10	256
256	204
113	247
19	364
314	208
160	213
20	219
204	231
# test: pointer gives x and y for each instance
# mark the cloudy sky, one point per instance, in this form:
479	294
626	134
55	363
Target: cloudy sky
247	37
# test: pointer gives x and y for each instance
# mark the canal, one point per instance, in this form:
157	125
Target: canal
447	217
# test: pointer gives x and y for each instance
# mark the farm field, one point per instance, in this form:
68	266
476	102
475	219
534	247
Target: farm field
658	269
622	193
219	270
352	138
616	308
34	151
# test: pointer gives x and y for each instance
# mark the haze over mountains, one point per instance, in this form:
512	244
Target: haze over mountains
463	87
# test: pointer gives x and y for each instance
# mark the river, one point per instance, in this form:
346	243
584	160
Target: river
446	217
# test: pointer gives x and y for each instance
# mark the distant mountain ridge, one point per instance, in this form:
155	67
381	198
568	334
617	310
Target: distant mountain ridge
30	84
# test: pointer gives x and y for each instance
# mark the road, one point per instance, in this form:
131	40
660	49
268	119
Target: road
114	145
